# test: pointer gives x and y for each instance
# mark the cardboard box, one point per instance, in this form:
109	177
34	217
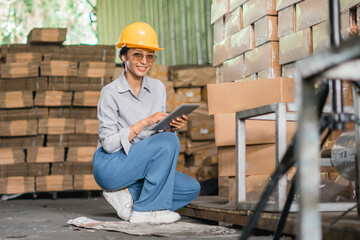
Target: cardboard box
18	128
281	4
86	98
88	126
47	35
233	69
218	9
253	10
310	13
219	30
54	183
85	182
16	99
347	20
80	154
21	84
236	96
295	46
235	4
347	4
221	52
11	156
254	184
242	41
96	69
201	128
38	169
250	77
233	22
271	72
24	57
13	185
266	29
53	98
219	74
19	69
58	68
56	126
25	141
192	75
260	160
256	131
261	58
289	71
286	21
321	37
45	154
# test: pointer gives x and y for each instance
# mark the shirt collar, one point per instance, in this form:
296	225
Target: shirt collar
123	85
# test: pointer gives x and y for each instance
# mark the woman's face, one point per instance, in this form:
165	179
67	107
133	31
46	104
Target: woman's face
139	61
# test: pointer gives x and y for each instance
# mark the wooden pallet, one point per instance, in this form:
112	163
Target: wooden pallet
217	208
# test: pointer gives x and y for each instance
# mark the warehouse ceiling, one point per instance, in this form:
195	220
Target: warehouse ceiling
183	26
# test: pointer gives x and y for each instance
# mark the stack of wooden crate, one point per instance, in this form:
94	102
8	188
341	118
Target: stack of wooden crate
48	124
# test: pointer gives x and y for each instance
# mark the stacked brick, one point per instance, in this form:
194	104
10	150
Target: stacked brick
261	40
48	124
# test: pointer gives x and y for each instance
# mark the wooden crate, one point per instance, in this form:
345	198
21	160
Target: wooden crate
85	182
80	154
96	69
45	154
58	68
86	98
18	128
54	183
13	185
47	35
87	126
16	99
56	126
11	156
53	98
19	70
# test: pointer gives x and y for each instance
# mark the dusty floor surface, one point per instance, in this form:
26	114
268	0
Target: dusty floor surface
45	218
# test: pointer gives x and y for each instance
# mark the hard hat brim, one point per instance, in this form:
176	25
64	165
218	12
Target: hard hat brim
120	45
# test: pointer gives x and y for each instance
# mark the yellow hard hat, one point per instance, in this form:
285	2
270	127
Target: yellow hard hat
139	35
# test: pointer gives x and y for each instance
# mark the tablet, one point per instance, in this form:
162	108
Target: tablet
184	109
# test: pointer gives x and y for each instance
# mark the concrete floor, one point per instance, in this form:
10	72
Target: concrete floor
44	218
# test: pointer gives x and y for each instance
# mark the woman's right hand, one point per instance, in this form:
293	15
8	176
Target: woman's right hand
156	117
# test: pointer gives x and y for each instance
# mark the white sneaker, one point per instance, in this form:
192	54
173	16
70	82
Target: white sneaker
121	201
163	216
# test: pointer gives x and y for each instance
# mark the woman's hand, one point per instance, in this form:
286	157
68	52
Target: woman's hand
178	123
156	117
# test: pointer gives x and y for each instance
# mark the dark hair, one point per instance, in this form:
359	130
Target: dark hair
123	51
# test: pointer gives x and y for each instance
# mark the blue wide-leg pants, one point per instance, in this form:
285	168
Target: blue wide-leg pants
148	171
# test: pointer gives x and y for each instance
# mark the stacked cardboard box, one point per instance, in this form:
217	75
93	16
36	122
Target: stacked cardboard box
198	153
259	40
48	124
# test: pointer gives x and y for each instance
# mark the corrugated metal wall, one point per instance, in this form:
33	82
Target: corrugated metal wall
183	26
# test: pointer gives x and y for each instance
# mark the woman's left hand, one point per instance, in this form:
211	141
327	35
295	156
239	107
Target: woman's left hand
178	123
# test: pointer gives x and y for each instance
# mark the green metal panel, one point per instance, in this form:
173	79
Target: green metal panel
183	26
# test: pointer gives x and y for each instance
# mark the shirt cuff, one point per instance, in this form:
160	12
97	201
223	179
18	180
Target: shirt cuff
124	139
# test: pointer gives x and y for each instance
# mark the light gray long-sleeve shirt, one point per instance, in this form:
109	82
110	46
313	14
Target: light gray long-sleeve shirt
119	108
